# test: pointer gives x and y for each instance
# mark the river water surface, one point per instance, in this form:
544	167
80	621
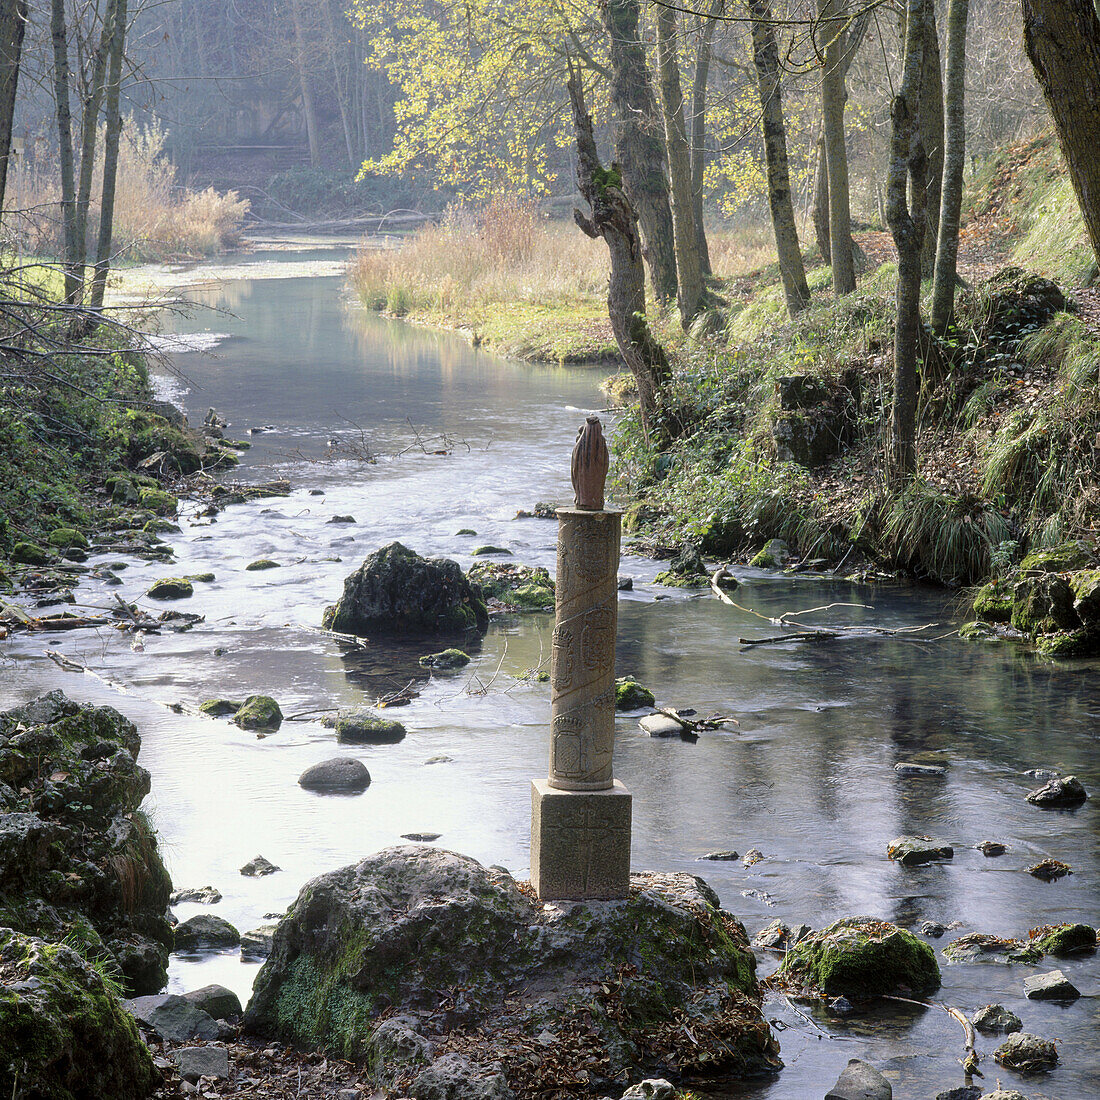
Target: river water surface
807	777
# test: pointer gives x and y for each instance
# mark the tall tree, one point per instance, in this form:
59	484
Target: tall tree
954	162
907	164
765	53
639	142
1063	42
59	34
932	135
614	219
708	22
305	80
832	16
689	274
13	25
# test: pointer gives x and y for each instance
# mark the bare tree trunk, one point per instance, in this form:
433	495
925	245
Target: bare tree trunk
766	58
954	162
341	78
708	22
932	134
639	142
689	294
821	201
309	109
614	219
111	141
1063	42
60	38
834	96
907	159
13	24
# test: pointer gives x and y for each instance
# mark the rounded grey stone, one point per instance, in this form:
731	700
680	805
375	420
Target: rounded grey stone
342	774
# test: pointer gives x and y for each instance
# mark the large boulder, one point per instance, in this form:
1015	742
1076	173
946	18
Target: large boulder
63	1033
862	957
78	858
396	592
625	980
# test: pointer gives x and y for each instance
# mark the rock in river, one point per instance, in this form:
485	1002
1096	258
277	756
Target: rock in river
201	895
363	727
258	867
1026	1053
914	850
1052	986
259	712
862	957
171	588
215	1001
343	774
397	592
1067	791
860	1081
204	932
173	1018
1065	939
385	935
445	661
996	1020
62	1031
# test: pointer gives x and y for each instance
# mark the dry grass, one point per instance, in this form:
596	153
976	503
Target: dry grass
154	217
736	251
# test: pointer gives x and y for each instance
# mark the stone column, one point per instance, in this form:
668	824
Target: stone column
580	814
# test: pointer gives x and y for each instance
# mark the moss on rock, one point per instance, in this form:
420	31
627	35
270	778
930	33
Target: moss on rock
862	957
66	537
514	587
993	601
1066	558
158	501
27	553
1064	939
630	695
171	588
259	712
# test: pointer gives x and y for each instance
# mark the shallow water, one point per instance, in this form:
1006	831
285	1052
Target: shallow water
807	777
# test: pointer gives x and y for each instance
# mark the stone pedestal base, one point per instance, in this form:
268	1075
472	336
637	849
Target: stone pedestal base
580	842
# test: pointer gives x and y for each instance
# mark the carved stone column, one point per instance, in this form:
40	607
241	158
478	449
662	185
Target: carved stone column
580	814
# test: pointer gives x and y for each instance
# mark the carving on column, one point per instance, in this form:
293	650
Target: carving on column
589	465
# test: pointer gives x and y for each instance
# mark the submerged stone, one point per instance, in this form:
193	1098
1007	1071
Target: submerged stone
342	774
1067	791
914	850
201	895
445	661
862	957
384	935
258	867
261	564
982	945
397	592
170	588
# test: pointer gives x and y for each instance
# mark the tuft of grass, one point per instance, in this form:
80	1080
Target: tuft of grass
1056	244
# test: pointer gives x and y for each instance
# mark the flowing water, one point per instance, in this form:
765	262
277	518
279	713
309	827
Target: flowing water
807	777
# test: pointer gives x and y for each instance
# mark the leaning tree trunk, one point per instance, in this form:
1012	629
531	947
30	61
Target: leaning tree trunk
932	135
13	24
689	273
907	159
59	35
765	54
954	162
709	23
614	219
1063	42
639	142
833	15
111	140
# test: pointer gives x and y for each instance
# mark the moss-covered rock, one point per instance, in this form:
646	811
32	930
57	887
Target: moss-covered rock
446	660
630	695
1064	939
362	727
976	631
1043	604
27	553
259	712
158	501
201	578
1086	596
396	592
915	850
63	1033
482	551
66	537
1068	557
771	556
686	569
149	435
260	564
220	708
993	601
862	957
170	588
1066	644
511	587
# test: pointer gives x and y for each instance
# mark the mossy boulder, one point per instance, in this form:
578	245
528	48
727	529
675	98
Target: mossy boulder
220	708
862	957
63	1033
482	551
205	932
160	527
771	556
630	695
381	937
976	631
398	593
122	489
362	727
171	588
993	602
66	537
28	553
259	712
1086	596
158	501
1043	604
1067	644
1064	939
261	564
149	435
1067	558
915	850
686	569
512	587
446	660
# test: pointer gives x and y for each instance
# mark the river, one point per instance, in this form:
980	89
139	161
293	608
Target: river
807	777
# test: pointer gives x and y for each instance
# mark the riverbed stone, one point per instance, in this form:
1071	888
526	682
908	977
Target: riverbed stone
1026	1053
1065	939
259	712
916	770
200	895
991	848
447	660
204	1061
257	867
983	945
912	851
62	1031
1049	870
655	1088
220	708
963	1092
771	556
1003	1094
509	586
661	725
261	564
721	855
173	1018
1051	986
778	936
860	1080
996	1020
256	943
396	592
341	774
363	727
170	588
1066	791
205	932
630	695
862	957
384	935
216	1001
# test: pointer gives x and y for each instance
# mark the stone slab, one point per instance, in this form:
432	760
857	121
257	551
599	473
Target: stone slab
580	842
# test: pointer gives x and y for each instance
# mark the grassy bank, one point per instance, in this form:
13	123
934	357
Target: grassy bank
513	280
